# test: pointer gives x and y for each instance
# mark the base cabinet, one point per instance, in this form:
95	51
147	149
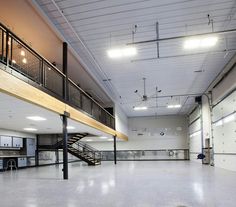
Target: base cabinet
22	162
1	164
17	142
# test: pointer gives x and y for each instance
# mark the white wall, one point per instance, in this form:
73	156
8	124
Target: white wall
121	120
16	133
206	119
174	127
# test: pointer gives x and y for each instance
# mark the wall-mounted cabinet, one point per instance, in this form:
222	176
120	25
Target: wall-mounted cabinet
5	141
17	142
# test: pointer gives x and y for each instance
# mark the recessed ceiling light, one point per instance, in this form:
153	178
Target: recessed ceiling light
122	52
36	118
139	108
22	53
203	42
24	60
103	137
30	129
110	139
70	127
173	106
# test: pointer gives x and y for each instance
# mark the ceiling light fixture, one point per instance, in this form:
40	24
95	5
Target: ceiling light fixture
140	108
195	43
36	118
229	118
110	140
103	137
70	127
121	52
24	60
88	140
30	129
173	106
22	53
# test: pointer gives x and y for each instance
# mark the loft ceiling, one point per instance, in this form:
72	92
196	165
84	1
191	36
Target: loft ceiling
14	112
93	26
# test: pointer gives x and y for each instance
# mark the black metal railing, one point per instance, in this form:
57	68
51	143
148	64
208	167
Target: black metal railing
29	66
88	150
135	155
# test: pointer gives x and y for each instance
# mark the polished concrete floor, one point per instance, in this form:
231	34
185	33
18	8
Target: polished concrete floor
128	184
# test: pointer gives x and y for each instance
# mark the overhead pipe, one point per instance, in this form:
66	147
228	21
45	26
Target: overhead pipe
184	55
183	37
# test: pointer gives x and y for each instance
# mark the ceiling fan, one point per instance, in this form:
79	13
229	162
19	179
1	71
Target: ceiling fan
145	97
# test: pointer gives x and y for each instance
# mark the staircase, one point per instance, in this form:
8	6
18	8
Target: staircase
85	153
78	149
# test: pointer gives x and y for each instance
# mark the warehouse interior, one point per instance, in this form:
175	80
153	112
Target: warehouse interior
118	103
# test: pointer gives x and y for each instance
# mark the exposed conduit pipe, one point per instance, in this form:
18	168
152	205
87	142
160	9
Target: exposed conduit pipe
85	47
184	55
183	37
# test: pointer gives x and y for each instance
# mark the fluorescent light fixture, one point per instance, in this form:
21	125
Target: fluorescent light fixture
114	53
88	140
202	42
209	41
36	118
219	123
195	133
121	52
103	137
173	106
70	127
24	60
30	129
229	118
191	44
129	51
140	108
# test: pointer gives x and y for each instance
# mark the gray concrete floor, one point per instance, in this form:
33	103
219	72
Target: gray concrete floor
128	184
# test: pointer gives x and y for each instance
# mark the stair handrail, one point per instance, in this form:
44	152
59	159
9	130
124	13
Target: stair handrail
96	153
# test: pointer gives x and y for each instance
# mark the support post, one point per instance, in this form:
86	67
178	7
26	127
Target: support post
37	151
114	149
65	150
65	71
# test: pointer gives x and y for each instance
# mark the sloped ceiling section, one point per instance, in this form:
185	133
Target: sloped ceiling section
94	26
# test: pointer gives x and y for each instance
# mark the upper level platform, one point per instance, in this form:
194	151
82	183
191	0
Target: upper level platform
27	75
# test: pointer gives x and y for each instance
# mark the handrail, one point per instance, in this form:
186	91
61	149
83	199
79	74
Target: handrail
90	97
30	48
37	72
79	143
94	153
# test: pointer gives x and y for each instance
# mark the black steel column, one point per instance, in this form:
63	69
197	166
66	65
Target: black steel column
57	156
65	71
37	151
65	150
115	149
